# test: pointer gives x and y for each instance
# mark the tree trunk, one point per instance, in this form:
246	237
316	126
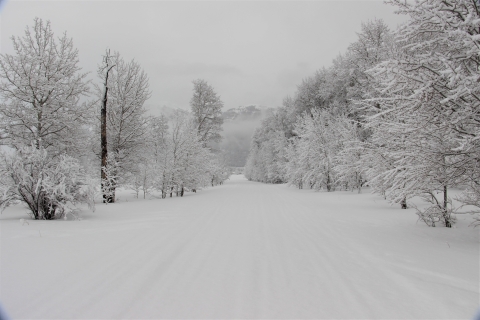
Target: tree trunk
103	133
144	184
113	193
359	183
403	203
182	190
448	224
38	140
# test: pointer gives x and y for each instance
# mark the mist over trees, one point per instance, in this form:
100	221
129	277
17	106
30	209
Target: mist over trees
238	127
62	154
397	112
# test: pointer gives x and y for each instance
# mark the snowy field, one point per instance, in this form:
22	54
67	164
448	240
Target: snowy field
241	250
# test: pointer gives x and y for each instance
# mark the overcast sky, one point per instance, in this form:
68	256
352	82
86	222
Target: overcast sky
250	52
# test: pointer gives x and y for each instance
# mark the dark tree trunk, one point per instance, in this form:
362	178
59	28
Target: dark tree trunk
182	190
360	183
403	203
107	198
448	224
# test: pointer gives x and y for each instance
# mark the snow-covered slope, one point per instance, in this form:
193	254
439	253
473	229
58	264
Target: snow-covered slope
241	250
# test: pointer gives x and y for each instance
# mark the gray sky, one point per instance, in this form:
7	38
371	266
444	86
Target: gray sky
250	52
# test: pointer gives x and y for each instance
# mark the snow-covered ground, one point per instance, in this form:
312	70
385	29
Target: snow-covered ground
241	250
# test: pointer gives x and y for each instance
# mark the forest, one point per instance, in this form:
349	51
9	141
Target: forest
398	112
68	140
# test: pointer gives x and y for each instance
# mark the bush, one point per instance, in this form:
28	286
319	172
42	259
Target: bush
50	187
437	212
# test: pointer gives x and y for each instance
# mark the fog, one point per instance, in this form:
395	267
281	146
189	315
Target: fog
237	135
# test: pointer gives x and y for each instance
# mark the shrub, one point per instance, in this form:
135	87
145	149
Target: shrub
50	187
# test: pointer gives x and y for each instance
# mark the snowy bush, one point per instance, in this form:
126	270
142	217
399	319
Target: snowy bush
437	212
50	187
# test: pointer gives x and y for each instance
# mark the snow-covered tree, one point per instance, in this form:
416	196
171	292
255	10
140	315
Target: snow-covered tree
50	187
218	169
317	146
338	91
160	147
150	170
41	87
128	90
349	163
266	161
189	156
206	108
104	73
374	45
425	117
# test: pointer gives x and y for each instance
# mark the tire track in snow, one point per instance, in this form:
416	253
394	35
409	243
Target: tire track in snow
241	250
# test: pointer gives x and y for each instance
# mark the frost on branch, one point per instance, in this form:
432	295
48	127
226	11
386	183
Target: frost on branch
110	182
50	187
41	88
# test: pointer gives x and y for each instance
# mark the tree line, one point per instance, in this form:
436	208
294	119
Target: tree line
399	112
70	139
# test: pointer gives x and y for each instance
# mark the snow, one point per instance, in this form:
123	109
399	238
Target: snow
240	250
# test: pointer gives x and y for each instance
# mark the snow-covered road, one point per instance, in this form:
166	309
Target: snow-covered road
241	250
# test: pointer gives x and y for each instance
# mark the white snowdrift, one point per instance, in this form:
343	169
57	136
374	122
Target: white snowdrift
241	250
